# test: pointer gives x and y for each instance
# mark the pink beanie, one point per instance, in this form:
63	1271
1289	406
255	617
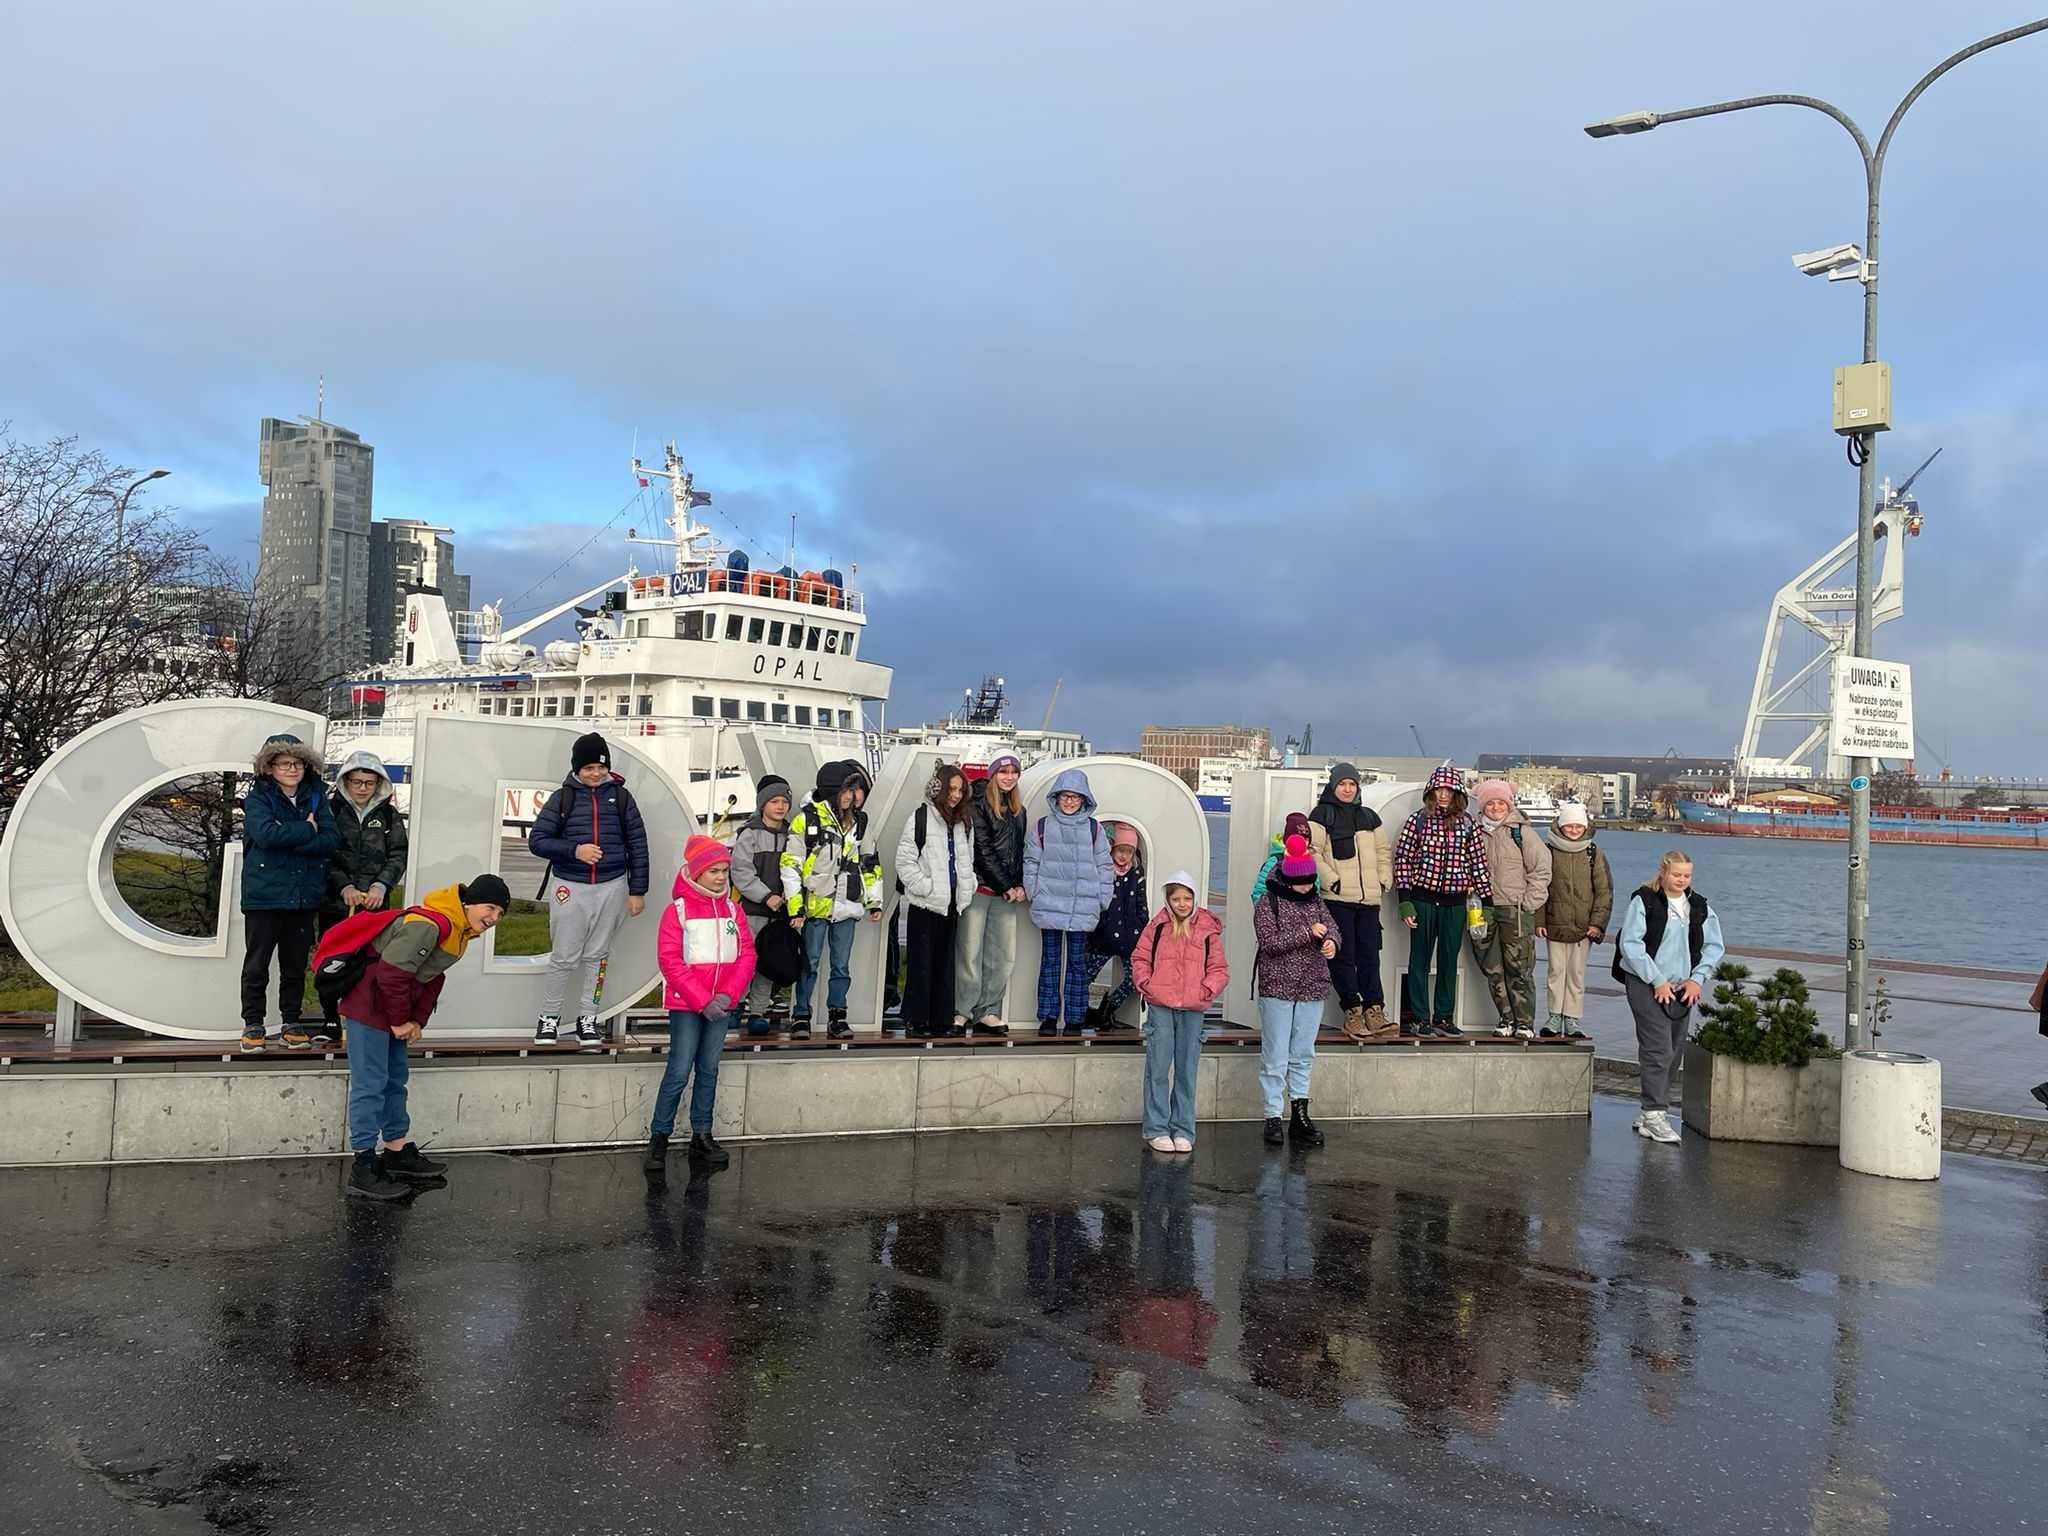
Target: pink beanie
1125	835
701	853
1296	863
1494	789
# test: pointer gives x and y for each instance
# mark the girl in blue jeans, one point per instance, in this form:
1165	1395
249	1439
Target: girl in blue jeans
1297	940
1180	970
707	959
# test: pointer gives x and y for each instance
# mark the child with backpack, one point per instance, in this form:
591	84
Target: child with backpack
1068	878
591	834
288	834
1295	825
1574	917
707	962
367	865
830	884
1439	865
1179	968
387	970
1297	938
1357	870
1518	867
935	866
757	878
1116	933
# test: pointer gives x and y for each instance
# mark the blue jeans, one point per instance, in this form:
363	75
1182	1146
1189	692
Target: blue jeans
1063	976
693	1043
988	948
377	1070
1287	1049
817	931
1173	1045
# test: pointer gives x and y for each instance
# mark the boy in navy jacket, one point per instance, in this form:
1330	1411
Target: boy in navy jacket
591	834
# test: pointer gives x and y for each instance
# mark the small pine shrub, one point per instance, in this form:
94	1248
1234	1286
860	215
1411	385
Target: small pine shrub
1771	1025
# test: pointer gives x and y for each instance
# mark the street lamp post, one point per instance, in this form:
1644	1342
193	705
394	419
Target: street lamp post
121	507
1853	1032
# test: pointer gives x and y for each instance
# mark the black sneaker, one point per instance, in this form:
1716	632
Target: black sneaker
705	1150
326	1031
838	1029
548	1030
588	1036
1547	1033
1047	1028
1275	1135
408	1162
297	1036
1076	1032
657	1153
253	1039
800	1030
367	1181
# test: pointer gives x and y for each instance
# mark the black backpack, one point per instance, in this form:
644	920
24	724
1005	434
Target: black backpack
779	953
922	823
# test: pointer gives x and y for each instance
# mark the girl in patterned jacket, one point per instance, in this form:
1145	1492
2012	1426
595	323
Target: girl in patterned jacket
1439	861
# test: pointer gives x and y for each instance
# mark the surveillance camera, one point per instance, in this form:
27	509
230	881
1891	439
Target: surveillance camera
1831	260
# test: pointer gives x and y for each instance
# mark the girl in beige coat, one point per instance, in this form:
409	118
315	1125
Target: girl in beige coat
1574	916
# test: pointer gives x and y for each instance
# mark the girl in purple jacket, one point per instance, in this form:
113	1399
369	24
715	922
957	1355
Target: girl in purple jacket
1296	941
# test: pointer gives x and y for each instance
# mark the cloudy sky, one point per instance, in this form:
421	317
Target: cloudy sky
1232	362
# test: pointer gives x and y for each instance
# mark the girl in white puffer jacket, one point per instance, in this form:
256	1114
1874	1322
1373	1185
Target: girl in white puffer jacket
935	863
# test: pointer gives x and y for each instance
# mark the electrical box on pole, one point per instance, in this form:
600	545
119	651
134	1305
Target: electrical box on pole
1863	398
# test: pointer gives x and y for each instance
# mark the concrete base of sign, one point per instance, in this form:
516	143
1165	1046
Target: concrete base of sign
1729	1100
125	1115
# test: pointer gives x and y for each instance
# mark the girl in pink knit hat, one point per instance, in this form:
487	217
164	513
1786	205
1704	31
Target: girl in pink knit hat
707	958
1116	934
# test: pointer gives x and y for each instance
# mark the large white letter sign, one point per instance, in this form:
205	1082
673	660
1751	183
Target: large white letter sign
1172	834
57	890
461	767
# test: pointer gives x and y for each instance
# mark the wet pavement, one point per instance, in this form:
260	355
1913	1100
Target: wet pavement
1498	1327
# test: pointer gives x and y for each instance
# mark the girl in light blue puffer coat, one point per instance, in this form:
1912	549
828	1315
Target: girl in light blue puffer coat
1069	877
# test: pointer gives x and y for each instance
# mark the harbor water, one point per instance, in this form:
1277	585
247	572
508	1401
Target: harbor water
1936	903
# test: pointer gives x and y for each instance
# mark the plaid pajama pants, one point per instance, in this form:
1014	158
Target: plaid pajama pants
1063	953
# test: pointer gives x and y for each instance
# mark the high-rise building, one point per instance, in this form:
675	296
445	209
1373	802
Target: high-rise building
407	556
314	555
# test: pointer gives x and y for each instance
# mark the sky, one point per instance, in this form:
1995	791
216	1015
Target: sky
1223	362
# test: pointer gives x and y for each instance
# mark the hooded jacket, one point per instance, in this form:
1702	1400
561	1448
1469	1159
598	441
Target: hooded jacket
284	856
941	875
824	872
1441	855
1067	869
1366	874
1517	862
1175	972
576	814
402	982
1581	891
705	948
373	843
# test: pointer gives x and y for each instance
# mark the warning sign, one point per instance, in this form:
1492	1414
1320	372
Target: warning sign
1873	714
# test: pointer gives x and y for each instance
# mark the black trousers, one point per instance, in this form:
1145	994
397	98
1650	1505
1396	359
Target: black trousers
288	936
928	979
1355	968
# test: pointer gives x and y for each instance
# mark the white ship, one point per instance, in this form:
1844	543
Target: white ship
671	661
1539	806
1214	777
977	733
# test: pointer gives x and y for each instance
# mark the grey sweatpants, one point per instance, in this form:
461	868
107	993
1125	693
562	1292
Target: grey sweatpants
1660	1040
582	919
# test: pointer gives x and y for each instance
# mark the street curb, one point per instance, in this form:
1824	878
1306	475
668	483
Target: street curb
1613	1075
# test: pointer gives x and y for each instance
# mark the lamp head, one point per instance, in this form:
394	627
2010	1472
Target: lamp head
1631	122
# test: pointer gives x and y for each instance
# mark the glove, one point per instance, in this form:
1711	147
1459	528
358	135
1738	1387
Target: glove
718	1009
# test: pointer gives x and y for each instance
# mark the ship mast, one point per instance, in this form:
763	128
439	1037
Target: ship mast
684	498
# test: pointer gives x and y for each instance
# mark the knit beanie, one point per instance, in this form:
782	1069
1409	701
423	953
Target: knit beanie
1493	789
769	787
1572	814
701	853
1124	835
1339	772
485	890
1004	760
589	749
1296	863
1296	825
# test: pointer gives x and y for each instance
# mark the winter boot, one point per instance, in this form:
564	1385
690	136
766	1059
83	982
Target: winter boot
1275	1135
408	1162
836	1027
368	1181
657	1153
705	1150
1354	1022
1300	1129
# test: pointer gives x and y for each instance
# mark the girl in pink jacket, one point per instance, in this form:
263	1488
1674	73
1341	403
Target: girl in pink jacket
1180	970
707	959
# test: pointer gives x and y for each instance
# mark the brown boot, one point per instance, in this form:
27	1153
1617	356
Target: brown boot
1354	1023
1378	1026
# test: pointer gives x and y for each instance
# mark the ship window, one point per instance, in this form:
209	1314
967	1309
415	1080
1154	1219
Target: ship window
548	707
622	705
846	719
589	705
690	625
728	709
519	709
782	714
501	709
811	643
733	623
832	640
646	705
754	628
756	710
775	633
700	704
796	637
846	644
803	711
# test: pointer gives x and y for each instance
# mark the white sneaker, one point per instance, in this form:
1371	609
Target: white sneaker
1654	1125
1183	1144
1504	1030
1524	1032
990	1021
1160	1143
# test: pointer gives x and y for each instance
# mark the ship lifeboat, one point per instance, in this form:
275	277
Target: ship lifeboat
768	584
813	588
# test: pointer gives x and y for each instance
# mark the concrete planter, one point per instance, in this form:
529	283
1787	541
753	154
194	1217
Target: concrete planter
1730	1100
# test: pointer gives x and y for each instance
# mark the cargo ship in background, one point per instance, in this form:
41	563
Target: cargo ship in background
1999	827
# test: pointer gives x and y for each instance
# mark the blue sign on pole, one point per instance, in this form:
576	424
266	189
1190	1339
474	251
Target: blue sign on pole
1859	783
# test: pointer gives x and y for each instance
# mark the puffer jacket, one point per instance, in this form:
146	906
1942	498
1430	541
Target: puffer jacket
931	879
1067	869
576	814
705	948
998	847
1581	891
1441	855
824	872
1517	862
757	865
1181	972
1116	933
1365	877
1291	964
284	856
373	839
411	957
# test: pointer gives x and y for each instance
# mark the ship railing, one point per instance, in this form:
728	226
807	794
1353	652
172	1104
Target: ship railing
849	740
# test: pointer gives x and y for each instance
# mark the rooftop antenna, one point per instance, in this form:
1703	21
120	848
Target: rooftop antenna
320	400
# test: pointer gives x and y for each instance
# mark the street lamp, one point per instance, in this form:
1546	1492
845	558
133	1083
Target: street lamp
1862	445
121	506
